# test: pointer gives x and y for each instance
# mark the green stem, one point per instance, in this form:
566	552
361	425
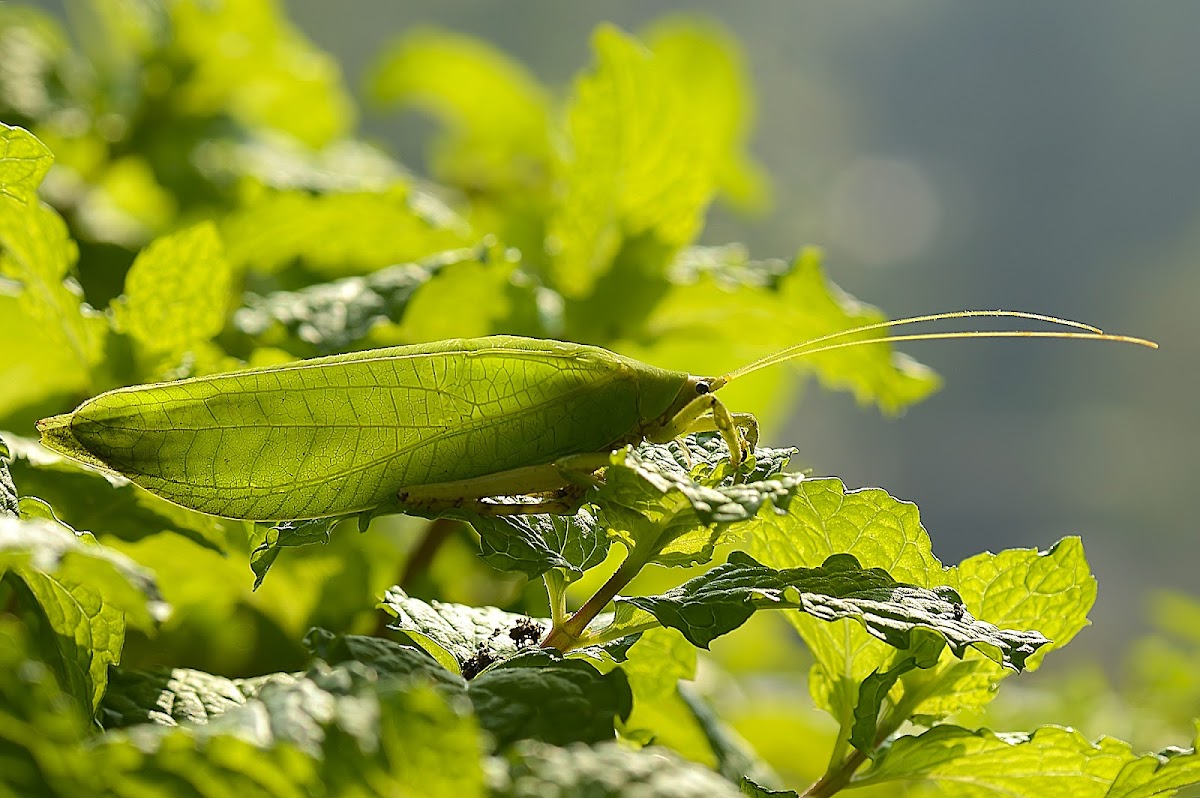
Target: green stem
556	592
437	532
566	636
835	780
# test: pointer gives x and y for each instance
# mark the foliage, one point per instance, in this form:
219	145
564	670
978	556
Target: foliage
182	193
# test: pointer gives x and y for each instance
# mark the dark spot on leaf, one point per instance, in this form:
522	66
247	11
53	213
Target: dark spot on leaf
525	632
477	662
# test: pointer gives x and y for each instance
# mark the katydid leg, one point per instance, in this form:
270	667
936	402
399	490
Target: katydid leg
559	487
707	413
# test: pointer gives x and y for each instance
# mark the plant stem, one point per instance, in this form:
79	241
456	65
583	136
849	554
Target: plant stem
565	637
436	533
834	780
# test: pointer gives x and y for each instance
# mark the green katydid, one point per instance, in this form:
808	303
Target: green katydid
424	427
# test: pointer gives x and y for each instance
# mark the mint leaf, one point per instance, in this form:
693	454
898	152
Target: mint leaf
715	290
753	790
880	531
559	701
1015	764
387	657
634	164
289	534
1050	591
680	498
8	491
40	726
453	633
76	559
709	61
337	235
357	731
875	688
87	633
606	770
176	293
274	80
495	115
723	598
167	696
37	253
735	758
328	317
24	161
1161	774
284	163
534	544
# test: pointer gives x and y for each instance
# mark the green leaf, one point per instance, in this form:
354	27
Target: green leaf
37	253
1162	774
24	161
386	657
1050	762
86	632
8	491
38	545
176	763
716	290
289	534
735	758
1050	591
329	317
336	235
40	727
708	60
273	79
751	789
495	115
176	293
484	284
680	498
167	696
34	39
879	531
423	740
875	688
634	163
606	770
534	544
453	633
723	598
284	163
541	697
365	735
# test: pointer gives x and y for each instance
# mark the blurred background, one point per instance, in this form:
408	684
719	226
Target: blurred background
951	156
948	156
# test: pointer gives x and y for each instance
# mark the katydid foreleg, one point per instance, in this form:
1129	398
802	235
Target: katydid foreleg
707	413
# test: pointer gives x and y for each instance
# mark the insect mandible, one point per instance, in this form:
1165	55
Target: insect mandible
426	427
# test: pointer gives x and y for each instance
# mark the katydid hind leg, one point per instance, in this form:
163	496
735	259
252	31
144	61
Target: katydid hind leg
565	501
556	487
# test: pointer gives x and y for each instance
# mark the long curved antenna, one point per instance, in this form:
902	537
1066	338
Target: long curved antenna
821	344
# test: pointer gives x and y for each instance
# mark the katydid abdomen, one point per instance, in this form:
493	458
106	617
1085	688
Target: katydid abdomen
343	434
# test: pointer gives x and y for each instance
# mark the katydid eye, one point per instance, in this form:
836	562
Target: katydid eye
702	388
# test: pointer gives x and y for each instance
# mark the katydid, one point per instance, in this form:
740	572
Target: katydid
424	427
